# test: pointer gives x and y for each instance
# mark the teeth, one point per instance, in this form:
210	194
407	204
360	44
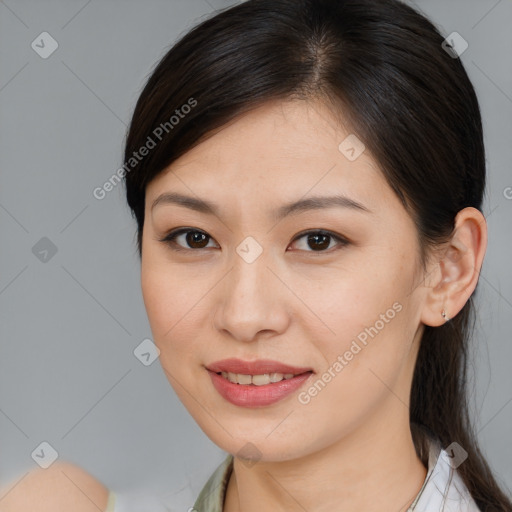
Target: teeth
257	380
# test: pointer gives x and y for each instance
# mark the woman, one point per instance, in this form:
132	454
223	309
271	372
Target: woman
307	180
272	103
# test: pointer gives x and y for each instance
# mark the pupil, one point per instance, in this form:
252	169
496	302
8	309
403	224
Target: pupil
192	238
314	239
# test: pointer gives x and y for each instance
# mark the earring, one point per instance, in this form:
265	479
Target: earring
444	315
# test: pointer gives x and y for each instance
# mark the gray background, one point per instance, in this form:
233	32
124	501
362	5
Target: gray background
69	325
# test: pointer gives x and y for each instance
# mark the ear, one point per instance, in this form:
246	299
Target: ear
458	268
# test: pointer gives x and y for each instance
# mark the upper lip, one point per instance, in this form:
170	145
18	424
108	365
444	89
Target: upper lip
258	367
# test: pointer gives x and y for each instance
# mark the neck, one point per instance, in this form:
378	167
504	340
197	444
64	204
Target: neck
375	468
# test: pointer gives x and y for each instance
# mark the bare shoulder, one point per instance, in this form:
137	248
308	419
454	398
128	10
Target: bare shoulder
61	487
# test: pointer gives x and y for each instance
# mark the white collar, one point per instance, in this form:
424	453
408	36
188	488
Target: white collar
443	489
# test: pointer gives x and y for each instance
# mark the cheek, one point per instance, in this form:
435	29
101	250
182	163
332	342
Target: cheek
365	320
157	292
173	302
347	306
164	303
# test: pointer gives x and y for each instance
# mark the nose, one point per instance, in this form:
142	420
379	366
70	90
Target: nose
251	300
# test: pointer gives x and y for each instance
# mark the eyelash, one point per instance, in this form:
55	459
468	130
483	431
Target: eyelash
170	239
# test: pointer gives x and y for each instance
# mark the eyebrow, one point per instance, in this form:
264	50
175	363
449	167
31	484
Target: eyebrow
302	205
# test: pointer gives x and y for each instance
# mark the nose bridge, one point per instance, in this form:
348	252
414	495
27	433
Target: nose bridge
250	272
248	301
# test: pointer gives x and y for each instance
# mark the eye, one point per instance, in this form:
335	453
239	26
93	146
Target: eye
195	238
318	240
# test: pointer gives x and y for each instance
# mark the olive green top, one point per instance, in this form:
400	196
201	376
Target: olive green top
211	498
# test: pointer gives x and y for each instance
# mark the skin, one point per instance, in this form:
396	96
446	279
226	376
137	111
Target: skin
350	447
60	488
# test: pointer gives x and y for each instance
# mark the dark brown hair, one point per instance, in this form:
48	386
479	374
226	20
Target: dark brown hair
380	66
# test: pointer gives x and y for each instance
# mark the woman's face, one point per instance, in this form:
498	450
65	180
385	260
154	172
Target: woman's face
250	284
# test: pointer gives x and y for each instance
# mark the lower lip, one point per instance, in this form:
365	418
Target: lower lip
249	395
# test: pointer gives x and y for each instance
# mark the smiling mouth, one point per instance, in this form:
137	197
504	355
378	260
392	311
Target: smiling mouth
257	380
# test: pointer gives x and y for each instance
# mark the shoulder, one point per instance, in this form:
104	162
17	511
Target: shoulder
61	487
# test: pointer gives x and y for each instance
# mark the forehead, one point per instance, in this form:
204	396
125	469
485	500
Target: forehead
277	131
284	150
